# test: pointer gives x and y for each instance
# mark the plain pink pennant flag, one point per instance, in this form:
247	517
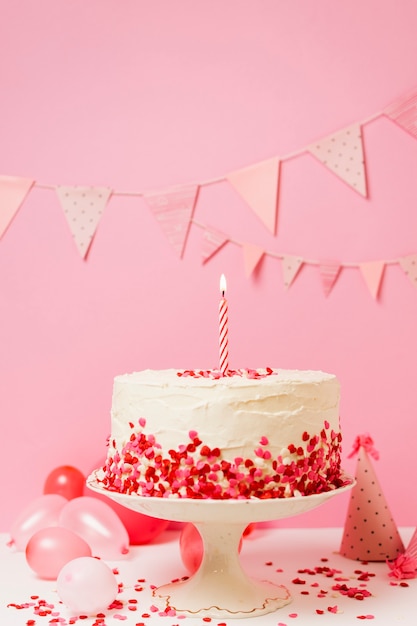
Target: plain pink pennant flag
83	208
409	265
329	272
252	256
372	273
258	186
291	265
213	240
13	190
404	113
342	153
174	209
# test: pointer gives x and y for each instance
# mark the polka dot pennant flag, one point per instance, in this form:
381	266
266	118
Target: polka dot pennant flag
291	265
258	186
174	209
342	153
13	191
409	265
329	272
370	533
372	273
213	240
252	256
404	113
83	208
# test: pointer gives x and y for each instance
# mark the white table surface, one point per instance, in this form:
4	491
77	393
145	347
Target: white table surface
275	554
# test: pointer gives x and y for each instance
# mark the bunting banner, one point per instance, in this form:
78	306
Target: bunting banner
291	265
83	207
342	153
372	273
404	113
213	240
174	209
329	272
258	186
252	256
13	191
409	265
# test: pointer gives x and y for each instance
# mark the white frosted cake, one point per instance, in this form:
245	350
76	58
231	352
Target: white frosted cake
199	434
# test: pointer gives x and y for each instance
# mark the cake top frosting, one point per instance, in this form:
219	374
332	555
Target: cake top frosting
233	378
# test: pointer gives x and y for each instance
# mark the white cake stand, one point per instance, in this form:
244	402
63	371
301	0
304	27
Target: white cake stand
220	588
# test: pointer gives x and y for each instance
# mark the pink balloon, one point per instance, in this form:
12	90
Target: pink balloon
66	480
97	523
87	585
49	549
40	513
191	547
141	528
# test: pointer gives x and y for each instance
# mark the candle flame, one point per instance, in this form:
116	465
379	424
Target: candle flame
223	285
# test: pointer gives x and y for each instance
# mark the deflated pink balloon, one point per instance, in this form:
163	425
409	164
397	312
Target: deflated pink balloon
97	523
49	549
66	480
40	513
141	528
87	585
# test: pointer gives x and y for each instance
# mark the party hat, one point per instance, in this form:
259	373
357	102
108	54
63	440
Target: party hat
405	565
370	533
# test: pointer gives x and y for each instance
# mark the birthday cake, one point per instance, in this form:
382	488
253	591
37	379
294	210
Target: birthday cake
264	433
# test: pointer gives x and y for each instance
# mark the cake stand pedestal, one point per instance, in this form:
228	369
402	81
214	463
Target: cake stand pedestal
220	588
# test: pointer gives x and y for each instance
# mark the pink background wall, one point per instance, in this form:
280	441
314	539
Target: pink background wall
137	96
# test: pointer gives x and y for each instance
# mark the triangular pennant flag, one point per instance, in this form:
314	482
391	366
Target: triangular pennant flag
370	533
372	273
291	265
252	255
409	265
329	272
342	153
213	240
173	209
258	186
83	207
404	113
13	190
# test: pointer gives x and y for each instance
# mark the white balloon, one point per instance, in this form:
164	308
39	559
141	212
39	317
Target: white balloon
87	585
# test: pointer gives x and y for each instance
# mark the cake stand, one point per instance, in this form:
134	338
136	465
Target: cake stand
220	588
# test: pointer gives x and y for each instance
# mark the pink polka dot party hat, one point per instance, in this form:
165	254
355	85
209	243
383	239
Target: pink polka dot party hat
370	533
